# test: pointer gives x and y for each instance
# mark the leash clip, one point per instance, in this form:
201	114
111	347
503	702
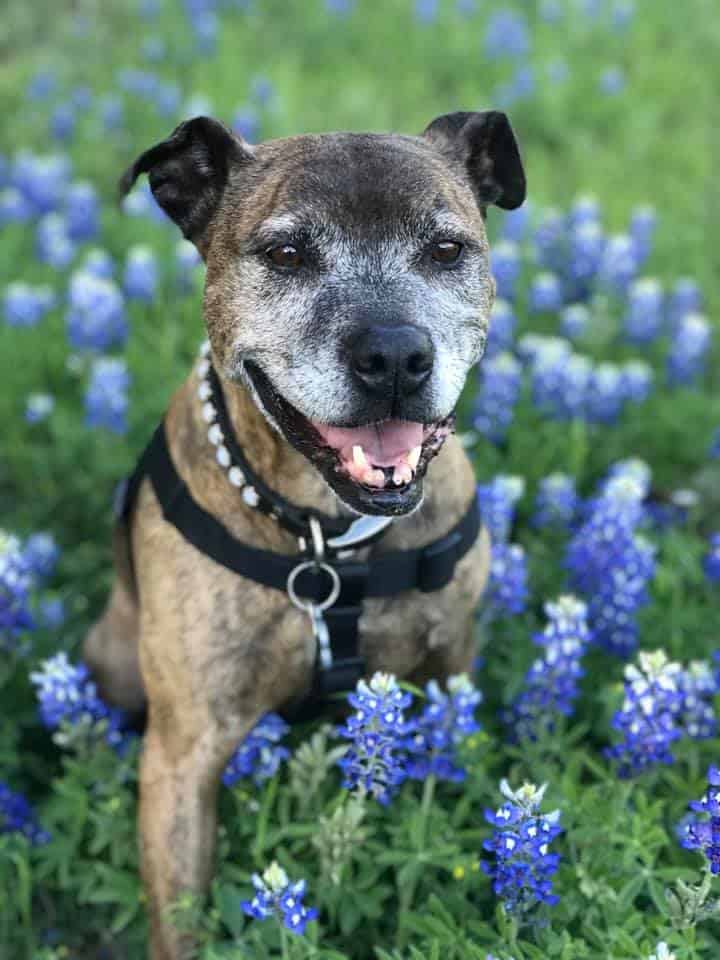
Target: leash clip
314	610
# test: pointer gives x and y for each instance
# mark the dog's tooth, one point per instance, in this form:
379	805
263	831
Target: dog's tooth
376	478
204	391
222	455
236	476
413	458
359	456
250	496
208	412
402	474
215	434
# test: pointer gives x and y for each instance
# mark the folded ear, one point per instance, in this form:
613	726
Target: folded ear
188	173
484	143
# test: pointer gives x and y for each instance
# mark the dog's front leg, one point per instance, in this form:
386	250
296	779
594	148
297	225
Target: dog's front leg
179	777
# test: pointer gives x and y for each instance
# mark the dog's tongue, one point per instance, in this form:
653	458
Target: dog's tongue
392	443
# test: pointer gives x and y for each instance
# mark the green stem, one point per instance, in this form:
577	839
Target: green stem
408	893
284	941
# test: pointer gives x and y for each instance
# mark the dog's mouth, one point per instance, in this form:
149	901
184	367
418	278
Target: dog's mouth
374	468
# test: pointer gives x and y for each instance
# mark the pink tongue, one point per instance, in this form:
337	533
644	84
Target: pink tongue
384	443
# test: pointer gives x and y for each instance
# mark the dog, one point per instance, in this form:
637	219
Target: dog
347	295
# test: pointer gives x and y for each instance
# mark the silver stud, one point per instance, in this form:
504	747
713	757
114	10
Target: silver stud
204	390
215	434
205	348
208	412
222	455
203	366
250	496
236	476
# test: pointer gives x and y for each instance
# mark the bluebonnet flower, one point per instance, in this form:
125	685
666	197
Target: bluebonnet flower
38	407
637	380
340	7
523	865
95	319
497	500
82	212
153	48
704	834
587	247
549	240
698	686
246	123
260	754
24	305
505	266
466	8
502	328
205	28
685	297
167	99
643	222
551	684
516	223
63	121
612	81
644	316
426	11
374	763
187	259
149	9
506	592
499	391
610	564
15	585
262	90
506	35
714	450
560	381
711	563
445	721
622	14
635	470
42	84
551	11
275	896
106	400
140	281
99	263
557	70
53	244
68	697
545	293
112	113
585	209
520	85
648	718
41	554
41	179
140	202
688	349
605	394
556	502
17	816
620	262
14	207
198	105
141	83
574	320
51	612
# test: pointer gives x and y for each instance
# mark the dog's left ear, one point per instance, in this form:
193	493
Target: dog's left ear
484	143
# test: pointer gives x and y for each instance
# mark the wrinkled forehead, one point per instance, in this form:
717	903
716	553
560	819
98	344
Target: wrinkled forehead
364	185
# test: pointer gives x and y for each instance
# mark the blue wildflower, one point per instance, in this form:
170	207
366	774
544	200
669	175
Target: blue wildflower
51	612
520	85
262	90
260	754
516	223
17	816
53	243
549	240
38	407
606	394
95	319
41	554
704	834
153	49
506	592
426	11
445	721
506	35
14	207
685	297
99	263
140	202
574	320
714	449
498	394
637	380
523	865
556	502
502	328
497	501
25	305
585	209
246	123
41	179
41	85
187	259
374	763
688	349
140	281
648	719
15	585
112	113
560	379
644	317
82	212
505	265
612	81
711	563
551	684
63	121
106	400
275	896
587	247
698	687
643	222
545	293
557	70
620	263
167	99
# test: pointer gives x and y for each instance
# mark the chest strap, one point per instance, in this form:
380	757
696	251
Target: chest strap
385	574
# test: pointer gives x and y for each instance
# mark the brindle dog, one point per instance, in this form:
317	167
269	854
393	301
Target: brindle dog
347	296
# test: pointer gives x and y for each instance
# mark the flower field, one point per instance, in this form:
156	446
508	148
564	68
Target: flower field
564	800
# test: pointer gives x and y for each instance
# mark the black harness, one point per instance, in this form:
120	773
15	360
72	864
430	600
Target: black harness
325	579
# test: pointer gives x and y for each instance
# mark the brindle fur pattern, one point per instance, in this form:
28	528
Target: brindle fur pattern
211	652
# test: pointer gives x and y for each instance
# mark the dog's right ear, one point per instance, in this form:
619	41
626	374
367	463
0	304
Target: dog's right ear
188	173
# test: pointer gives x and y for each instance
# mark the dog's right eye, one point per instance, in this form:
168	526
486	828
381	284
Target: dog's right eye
287	256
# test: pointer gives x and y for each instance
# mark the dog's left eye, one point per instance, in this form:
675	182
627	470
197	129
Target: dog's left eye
286	256
446	251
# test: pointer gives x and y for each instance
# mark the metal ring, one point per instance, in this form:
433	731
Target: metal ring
317	539
307	605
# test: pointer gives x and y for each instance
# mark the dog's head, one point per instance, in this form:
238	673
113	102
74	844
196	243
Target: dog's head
348	283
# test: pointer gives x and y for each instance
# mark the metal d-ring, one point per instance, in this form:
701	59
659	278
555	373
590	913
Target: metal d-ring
307	605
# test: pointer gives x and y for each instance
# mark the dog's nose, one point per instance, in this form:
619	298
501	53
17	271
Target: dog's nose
397	358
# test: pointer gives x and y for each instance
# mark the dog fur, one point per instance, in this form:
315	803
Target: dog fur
206	650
